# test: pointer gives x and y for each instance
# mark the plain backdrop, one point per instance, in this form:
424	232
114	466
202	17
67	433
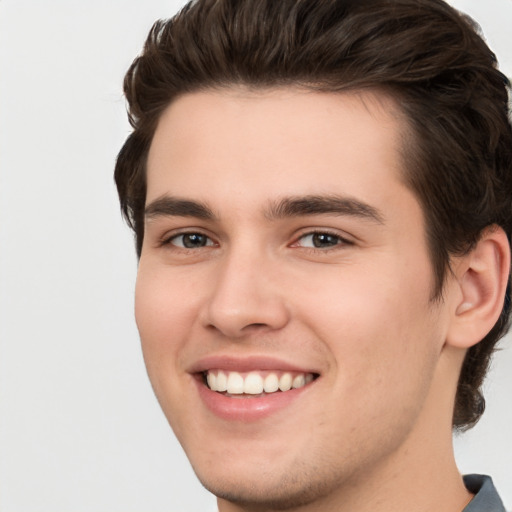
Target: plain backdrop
80	429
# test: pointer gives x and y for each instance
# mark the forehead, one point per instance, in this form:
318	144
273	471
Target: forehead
235	143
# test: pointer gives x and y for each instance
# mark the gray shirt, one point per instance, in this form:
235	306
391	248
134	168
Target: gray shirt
486	497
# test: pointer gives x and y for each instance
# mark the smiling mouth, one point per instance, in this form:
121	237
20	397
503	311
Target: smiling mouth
255	383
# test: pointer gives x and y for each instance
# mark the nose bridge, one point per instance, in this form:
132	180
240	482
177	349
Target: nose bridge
244	294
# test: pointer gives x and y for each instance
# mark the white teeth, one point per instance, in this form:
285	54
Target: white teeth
299	381
235	385
254	383
285	382
271	383
212	380
222	382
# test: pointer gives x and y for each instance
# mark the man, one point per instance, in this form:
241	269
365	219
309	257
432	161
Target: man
321	197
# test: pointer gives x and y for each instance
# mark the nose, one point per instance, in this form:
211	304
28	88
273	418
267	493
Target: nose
246	296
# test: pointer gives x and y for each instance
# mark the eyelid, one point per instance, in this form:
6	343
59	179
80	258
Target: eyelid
344	239
166	238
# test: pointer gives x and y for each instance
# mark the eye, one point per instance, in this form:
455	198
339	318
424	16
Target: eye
321	240
190	241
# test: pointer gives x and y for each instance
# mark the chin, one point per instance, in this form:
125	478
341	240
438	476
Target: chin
263	489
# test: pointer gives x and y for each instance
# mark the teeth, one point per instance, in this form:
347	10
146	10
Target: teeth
298	381
255	383
211	378
285	382
235	384
271	383
222	382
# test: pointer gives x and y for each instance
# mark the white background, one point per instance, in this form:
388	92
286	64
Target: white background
80	429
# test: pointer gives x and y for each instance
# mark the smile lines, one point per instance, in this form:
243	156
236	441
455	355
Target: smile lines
255	382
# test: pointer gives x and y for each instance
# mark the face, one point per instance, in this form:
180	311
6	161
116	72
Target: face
283	294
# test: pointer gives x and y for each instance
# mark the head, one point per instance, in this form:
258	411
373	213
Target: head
439	73
308	206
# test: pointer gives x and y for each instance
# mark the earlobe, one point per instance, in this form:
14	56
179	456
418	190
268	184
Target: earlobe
482	276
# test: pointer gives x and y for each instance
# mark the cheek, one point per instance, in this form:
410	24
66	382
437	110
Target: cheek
380	330
161	315
163	320
164	302
384	348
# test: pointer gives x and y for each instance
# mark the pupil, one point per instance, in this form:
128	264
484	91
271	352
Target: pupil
194	240
324	239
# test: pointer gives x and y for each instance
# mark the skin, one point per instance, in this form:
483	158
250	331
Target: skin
373	431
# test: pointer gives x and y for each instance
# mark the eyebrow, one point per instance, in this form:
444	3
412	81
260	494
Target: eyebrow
318	205
168	206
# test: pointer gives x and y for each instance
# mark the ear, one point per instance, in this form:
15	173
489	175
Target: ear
481	279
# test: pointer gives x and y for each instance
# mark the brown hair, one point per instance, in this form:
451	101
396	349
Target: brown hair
425	54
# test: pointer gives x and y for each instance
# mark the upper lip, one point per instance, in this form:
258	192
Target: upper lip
246	364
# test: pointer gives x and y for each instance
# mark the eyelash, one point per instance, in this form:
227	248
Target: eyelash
168	240
340	240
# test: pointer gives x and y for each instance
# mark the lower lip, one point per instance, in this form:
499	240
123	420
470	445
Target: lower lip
247	409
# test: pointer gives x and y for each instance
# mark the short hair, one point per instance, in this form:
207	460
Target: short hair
457	153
